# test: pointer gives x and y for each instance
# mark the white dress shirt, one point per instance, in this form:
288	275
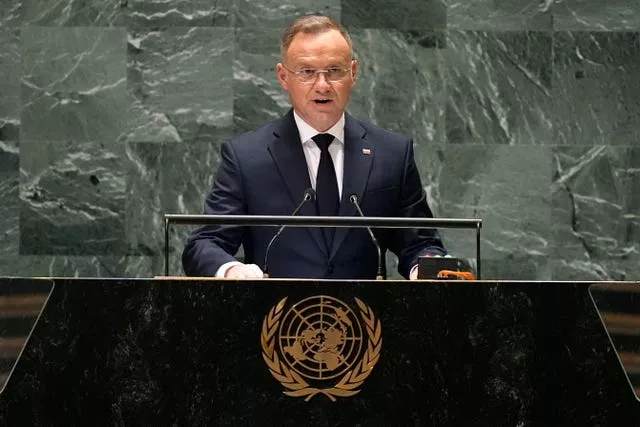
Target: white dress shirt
312	151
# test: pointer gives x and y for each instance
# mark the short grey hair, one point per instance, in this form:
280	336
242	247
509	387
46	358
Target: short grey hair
311	24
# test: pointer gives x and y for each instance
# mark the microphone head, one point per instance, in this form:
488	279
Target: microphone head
353	198
309	194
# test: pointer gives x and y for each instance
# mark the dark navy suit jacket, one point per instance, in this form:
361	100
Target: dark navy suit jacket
265	173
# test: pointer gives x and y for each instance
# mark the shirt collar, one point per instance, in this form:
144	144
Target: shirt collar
307	132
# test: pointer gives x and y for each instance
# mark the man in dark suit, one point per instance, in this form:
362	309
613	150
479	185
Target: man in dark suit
315	145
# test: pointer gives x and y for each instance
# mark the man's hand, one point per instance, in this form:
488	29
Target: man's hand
244	271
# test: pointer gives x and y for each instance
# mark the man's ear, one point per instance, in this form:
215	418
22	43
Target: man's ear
354	69
282	76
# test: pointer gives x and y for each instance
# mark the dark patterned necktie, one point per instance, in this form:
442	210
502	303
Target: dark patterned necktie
327	195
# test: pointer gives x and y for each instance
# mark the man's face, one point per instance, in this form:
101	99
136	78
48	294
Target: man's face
321	102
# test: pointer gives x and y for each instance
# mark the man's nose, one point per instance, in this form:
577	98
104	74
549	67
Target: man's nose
321	79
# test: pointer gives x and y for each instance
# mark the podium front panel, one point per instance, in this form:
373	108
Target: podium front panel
292	352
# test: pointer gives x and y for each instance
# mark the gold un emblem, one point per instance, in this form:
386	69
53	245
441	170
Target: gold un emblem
319	346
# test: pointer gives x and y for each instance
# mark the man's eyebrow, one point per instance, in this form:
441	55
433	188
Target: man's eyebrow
304	65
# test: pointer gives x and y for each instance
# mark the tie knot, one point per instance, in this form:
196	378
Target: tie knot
323	140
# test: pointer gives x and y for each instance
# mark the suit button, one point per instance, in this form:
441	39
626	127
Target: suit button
331	269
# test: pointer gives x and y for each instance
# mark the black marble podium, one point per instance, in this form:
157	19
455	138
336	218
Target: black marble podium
189	352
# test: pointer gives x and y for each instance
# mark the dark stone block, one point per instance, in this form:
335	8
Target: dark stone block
131	352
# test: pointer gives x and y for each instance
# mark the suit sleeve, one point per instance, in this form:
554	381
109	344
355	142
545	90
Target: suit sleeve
410	244
209	247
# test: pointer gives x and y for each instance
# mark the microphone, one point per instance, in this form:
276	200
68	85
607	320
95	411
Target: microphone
379	275
309	195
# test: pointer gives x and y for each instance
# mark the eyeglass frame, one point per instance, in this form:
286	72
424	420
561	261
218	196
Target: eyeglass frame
317	73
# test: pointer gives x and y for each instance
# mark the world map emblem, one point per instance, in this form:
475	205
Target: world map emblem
321	346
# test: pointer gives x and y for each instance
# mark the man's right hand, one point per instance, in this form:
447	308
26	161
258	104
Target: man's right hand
244	271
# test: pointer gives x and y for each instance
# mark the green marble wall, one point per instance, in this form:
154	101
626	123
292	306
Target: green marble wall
525	113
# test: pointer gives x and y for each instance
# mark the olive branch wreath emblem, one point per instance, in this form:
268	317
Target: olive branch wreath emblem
297	386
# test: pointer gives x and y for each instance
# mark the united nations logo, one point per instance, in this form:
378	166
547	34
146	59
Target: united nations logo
319	346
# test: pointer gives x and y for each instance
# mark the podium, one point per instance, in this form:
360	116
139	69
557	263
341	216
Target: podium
283	352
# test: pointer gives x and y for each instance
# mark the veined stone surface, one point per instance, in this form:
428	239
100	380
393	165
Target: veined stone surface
523	113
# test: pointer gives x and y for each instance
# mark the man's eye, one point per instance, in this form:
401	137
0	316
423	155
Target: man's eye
334	71
307	72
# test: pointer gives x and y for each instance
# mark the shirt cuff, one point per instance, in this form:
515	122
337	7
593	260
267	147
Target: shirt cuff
222	271
413	274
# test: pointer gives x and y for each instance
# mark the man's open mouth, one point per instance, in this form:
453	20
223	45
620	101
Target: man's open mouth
322	101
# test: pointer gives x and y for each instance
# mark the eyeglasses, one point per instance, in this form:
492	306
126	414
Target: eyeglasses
309	75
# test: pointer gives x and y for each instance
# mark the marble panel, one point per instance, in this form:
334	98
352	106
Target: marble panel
400	84
72	198
10	13
596	205
180	13
405	15
257	94
166	178
573	270
612	15
74	13
79	266
73	84
499	87
9	207
10	84
280	13
465	79
596	88
181	81
507	187
516	268
512	15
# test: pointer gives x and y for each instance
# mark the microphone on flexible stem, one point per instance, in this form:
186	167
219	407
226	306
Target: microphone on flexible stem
309	195
379	275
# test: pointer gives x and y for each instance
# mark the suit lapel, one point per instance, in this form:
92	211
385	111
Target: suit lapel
286	151
358	158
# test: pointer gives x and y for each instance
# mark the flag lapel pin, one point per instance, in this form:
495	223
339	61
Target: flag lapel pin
366	151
